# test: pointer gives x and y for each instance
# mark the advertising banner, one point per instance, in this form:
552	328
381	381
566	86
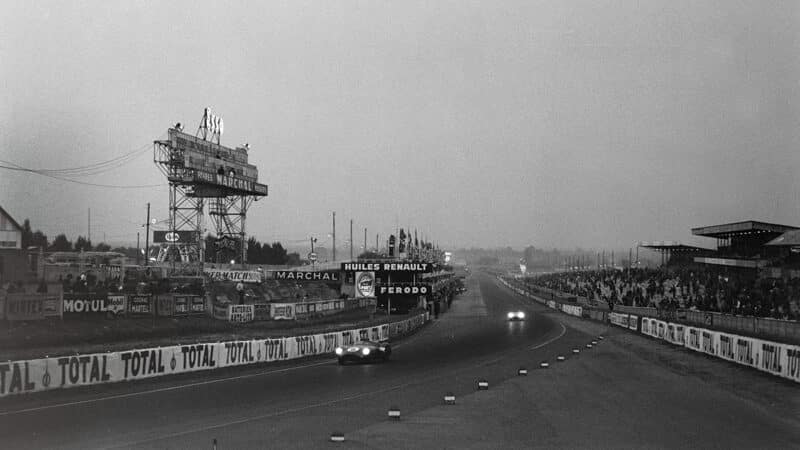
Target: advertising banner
91	303
365	284
633	322
409	267
403	289
241	313
572	310
20	377
329	276
282	311
620	320
551	304
261	311
245	276
175	237
140	304
22	306
165	305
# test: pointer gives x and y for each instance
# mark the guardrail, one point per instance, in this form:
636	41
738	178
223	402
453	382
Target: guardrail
783	330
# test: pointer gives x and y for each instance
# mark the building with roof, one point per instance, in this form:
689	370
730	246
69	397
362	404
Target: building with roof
743	244
13	259
674	252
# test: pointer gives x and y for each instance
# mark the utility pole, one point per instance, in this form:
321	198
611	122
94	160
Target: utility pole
377	247
365	239
89	234
334	236
147	238
351	239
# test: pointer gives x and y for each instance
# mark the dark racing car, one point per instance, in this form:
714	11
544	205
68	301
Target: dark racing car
364	351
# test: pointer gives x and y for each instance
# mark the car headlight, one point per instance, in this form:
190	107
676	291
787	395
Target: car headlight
511	315
339	350
521	315
383	349
365	351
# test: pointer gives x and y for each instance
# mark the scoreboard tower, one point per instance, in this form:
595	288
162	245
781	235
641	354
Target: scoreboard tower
201	171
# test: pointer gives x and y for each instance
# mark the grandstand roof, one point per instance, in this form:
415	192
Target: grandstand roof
790	238
673	246
739	228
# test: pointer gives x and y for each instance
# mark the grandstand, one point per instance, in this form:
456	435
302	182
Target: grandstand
743	244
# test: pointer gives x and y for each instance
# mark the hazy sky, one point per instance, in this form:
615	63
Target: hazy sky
581	123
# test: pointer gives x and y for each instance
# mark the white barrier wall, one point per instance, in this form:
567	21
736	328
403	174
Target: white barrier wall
21	377
778	359
572	310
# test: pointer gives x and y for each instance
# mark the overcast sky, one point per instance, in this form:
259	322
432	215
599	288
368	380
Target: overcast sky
556	124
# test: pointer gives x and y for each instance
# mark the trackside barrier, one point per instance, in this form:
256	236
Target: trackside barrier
775	358
47	374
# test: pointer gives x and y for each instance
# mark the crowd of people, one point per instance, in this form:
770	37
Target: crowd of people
702	288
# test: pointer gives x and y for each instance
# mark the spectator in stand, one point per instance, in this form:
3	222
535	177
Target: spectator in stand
697	287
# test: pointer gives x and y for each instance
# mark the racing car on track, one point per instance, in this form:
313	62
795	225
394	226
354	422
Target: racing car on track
516	315
365	351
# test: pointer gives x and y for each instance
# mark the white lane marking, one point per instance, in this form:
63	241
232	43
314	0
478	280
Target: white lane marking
165	389
563	331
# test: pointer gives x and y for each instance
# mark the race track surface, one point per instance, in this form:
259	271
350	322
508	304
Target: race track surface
299	404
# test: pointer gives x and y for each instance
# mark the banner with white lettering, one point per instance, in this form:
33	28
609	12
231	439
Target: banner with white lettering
19	377
282	311
91	303
245	276
241	313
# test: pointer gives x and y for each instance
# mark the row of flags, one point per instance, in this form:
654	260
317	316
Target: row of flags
413	248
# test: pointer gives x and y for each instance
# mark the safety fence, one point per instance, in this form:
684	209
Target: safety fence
48	374
775	358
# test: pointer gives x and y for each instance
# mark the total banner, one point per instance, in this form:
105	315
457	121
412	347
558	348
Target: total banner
47	374
776	358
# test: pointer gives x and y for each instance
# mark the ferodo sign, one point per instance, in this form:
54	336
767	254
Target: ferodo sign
404	289
365	284
47	374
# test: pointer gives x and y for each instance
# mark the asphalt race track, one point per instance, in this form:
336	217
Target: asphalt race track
299	404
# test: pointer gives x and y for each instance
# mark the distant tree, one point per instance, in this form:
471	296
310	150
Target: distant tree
83	244
372	255
61	244
102	247
38	239
27	234
254	251
293	259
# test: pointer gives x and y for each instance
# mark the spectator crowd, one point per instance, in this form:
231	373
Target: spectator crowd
700	288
